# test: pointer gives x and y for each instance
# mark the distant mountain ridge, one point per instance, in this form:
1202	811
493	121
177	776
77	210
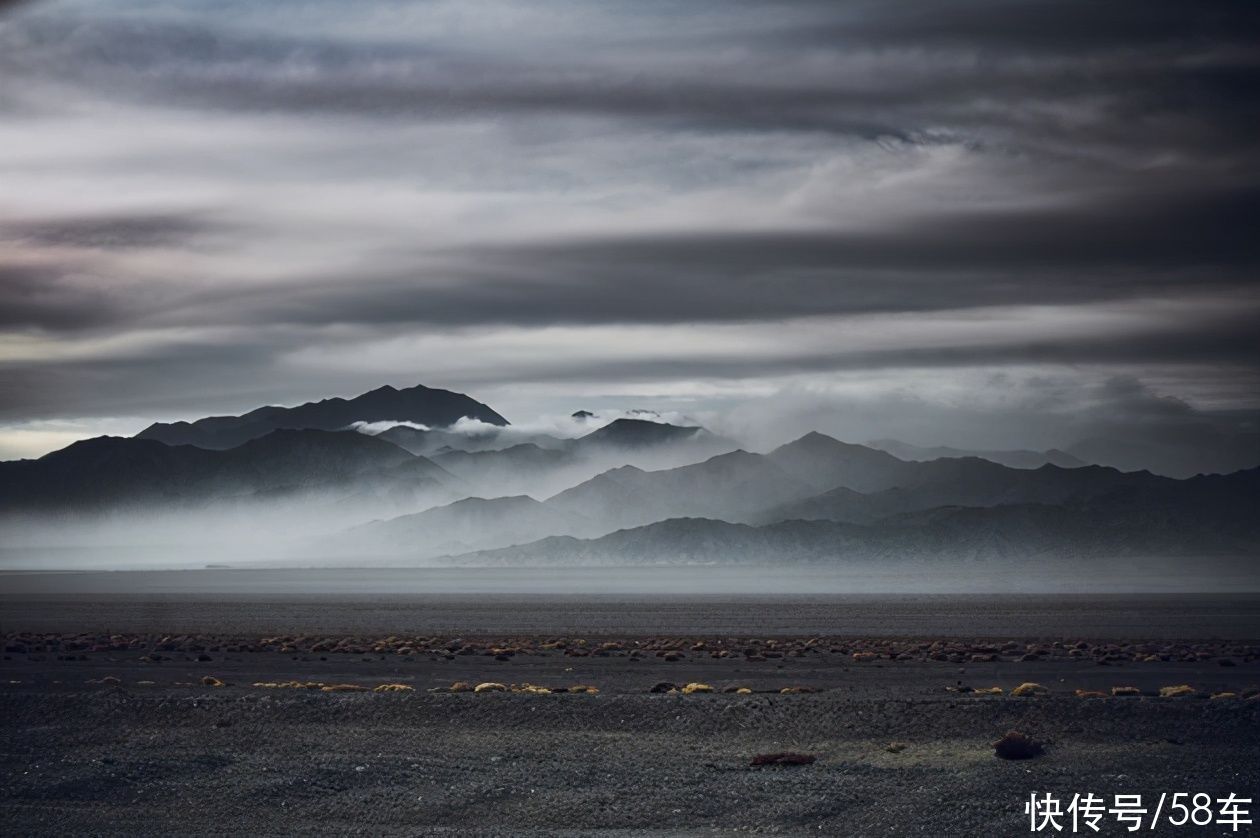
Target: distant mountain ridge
421	405
1207	516
1018	458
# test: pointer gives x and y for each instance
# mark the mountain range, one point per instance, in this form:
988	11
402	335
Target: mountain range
431	488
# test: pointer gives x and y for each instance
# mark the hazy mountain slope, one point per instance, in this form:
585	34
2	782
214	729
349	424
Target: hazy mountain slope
112	471
434	441
1208	519
1012	459
520	469
637	433
419	404
468	524
826	463
731	484
966	482
546	465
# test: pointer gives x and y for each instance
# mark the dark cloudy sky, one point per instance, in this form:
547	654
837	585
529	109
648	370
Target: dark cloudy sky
1012	223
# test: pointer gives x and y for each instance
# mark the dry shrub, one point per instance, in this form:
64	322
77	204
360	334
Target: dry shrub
490	687
1178	691
393	688
1029	688
1218	696
344	688
1123	692
696	687
1016	745
1090	694
987	691
211	681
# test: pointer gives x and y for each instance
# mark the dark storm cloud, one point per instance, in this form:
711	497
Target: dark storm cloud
1153	59
107	232
1144	245
49	297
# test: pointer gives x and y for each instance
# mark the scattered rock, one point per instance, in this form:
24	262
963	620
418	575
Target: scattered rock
1016	745
211	681
895	747
663	687
490	687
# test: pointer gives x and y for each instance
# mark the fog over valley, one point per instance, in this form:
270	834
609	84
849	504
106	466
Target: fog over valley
422	477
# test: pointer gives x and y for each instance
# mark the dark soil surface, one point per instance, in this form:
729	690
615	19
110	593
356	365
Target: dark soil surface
157	752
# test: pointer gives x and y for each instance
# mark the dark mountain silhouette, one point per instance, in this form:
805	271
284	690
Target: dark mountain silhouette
468	524
116	471
419	404
1014	459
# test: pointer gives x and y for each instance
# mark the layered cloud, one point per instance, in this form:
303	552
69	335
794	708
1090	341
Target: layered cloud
205	207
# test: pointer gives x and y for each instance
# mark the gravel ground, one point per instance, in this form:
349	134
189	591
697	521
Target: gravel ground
173	757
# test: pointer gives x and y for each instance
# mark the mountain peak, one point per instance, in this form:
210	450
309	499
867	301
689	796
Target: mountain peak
639	432
420	405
